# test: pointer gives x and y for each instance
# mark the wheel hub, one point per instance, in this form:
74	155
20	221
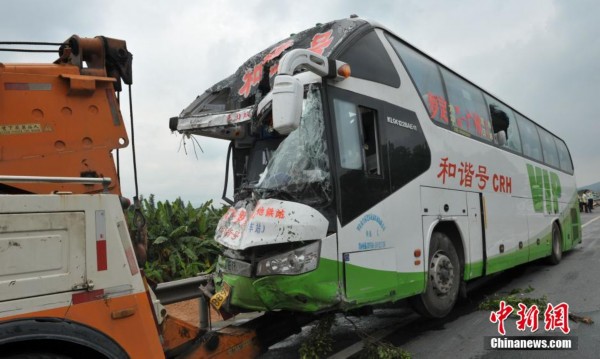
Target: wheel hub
441	273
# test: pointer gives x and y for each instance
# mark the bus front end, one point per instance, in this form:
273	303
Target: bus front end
277	256
275	234
279	240
280	251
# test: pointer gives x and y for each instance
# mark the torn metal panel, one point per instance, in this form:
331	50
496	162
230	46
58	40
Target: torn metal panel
253	80
192	123
226	125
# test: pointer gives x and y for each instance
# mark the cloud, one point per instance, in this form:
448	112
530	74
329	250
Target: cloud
541	57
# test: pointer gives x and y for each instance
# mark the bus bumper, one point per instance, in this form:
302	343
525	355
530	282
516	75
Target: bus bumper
308	292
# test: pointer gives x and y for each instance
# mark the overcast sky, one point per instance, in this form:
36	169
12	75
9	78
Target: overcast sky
542	57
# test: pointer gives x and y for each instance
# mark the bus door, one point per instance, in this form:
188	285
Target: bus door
366	247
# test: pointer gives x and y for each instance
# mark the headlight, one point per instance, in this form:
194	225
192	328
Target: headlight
298	261
234	266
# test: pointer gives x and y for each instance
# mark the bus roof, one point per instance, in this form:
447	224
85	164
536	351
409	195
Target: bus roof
254	78
248	85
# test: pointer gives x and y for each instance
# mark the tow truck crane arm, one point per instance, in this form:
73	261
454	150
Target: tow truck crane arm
63	119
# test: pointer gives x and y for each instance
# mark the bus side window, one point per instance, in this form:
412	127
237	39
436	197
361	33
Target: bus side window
503	119
349	145
549	148
358	142
530	139
368	120
426	77
370	61
563	156
467	110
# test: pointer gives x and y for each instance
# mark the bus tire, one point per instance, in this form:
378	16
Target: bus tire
443	279
556	254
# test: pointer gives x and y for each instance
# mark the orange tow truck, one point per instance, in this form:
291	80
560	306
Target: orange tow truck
63	119
70	282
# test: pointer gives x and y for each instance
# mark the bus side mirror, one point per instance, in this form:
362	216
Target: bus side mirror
288	94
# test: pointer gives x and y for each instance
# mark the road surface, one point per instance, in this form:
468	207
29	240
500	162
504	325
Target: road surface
576	281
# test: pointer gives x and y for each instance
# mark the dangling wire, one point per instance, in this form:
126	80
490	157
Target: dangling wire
138	217
118	159
182	144
198	143
133	143
195	142
224	197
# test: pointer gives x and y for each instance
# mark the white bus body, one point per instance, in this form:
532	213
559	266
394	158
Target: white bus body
401	180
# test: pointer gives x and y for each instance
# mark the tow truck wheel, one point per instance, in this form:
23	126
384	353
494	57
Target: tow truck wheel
556	254
443	279
37	355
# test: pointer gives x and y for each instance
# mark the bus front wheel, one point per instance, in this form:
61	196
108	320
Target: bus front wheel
443	279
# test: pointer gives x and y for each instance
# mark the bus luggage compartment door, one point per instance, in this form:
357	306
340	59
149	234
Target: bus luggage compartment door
443	202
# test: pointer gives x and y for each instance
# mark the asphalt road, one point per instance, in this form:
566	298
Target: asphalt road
576	281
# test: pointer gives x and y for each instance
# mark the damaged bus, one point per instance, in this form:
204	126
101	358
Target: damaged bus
365	172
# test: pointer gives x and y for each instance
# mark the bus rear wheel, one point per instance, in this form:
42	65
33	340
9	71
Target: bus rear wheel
556	254
443	279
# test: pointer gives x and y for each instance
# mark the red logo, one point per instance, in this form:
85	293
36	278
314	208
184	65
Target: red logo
320	42
528	317
501	315
466	174
557	317
252	77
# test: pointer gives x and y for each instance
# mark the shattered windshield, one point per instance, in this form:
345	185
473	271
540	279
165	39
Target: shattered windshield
299	168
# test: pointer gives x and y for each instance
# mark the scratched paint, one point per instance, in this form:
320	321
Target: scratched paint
269	221
243	85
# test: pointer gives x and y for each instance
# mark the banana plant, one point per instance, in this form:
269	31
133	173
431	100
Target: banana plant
180	238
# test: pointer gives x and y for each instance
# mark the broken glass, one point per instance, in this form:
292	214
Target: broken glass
299	168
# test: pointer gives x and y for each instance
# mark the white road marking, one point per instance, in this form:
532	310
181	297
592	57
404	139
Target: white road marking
358	346
590	221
